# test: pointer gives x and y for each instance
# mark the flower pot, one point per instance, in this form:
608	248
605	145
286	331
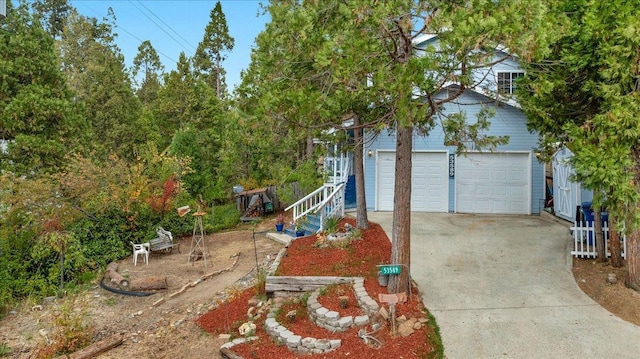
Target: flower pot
300	233
383	280
279	227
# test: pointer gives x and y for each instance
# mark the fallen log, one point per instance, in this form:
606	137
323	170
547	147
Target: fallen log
112	266
95	348
149	283
229	354
114	277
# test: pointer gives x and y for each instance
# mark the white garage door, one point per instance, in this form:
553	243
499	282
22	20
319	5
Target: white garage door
497	183
429	181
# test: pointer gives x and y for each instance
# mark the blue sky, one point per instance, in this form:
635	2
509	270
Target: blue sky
178	26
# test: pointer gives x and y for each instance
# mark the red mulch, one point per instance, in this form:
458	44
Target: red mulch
331	300
360	259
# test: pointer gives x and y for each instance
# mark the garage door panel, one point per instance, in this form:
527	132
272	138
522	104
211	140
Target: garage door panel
493	183
429	181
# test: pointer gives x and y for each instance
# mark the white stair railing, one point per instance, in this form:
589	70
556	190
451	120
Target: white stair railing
333	206
327	201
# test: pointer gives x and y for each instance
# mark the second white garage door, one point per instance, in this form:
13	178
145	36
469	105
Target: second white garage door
498	183
429	181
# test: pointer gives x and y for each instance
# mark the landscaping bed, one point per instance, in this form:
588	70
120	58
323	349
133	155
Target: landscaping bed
358	259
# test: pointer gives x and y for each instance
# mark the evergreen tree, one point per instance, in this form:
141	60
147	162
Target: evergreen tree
585	93
38	116
55	13
210	52
148	62
315	56
95	69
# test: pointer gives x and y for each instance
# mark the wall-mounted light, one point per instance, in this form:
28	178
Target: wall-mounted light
370	153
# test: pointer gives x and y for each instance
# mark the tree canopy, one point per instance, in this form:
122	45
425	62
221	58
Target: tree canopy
319	62
584	94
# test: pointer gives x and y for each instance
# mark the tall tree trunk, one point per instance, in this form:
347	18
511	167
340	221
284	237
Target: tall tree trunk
401	235
362	220
309	148
633	260
632	254
614	244
598	237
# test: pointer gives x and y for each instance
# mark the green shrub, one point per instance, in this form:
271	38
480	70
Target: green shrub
224	217
331	224
4	350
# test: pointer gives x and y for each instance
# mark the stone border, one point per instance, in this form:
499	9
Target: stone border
331	320
294	342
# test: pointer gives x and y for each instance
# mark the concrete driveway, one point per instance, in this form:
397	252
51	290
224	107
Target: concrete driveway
502	287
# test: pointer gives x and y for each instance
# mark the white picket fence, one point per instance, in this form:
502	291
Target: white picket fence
584	240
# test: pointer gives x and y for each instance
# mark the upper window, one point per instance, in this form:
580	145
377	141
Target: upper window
507	80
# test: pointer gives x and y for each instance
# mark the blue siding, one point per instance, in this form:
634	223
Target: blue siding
508	121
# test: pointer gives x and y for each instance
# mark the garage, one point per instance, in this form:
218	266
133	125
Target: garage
497	183
429	181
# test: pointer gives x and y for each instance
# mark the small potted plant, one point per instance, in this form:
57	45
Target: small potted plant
299	226
279	223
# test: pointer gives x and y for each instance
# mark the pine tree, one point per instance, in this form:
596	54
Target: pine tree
38	116
210	53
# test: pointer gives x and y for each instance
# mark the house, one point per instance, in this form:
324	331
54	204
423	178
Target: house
509	180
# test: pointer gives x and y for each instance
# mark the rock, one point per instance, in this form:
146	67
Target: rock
401	319
224	336
49	300
405	329
253	302
423	320
250	312
611	278
36	308
291	316
247	328
417	326
279	300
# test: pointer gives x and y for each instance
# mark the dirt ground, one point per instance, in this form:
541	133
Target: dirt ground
616	298
167	330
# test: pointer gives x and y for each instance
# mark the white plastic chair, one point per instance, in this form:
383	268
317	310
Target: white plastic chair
140	249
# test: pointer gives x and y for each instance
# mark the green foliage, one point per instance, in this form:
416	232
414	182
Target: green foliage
4	350
331	224
582	93
434	337
95	70
210	52
148	62
37	113
306	179
224	217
